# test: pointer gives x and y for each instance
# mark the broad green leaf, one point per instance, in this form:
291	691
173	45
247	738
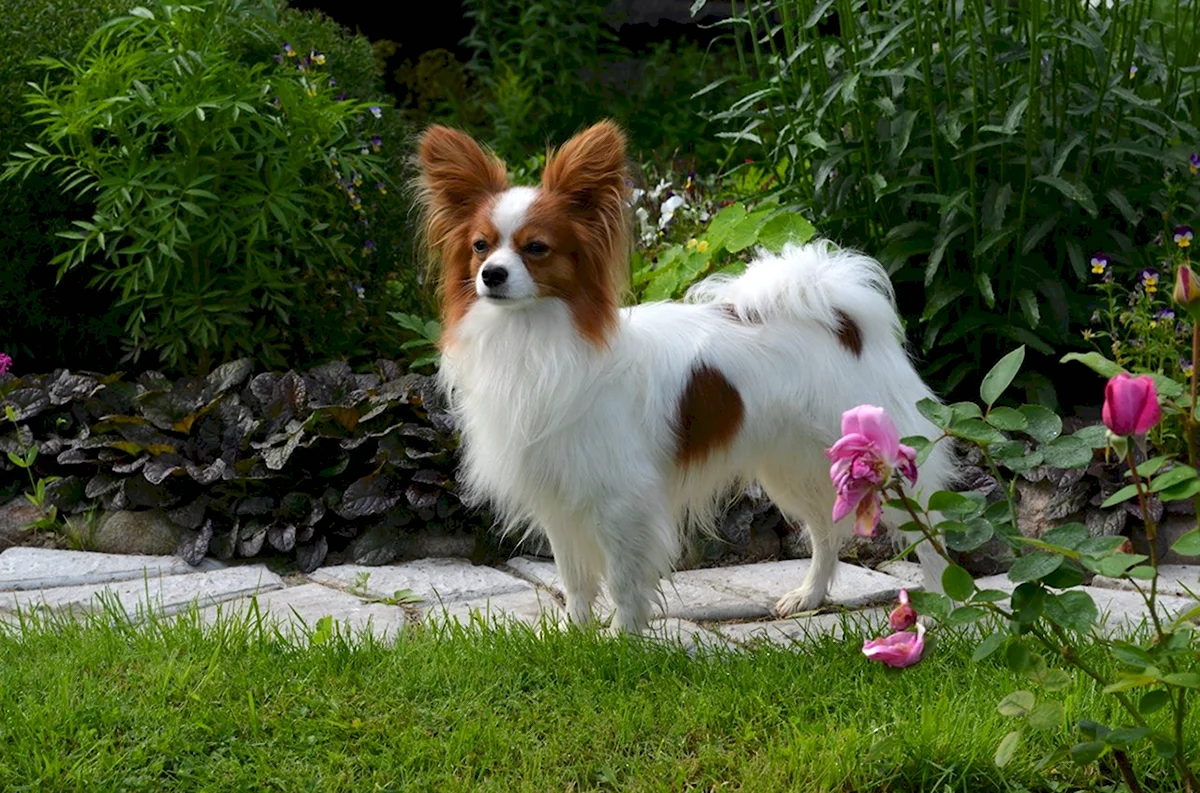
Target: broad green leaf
723	223
1183	679
1017	704
785	228
1034	566
1068	535
964	615
957	505
1153	702
976	431
1007	419
1124	494
1096	362
958	583
1180	473
1042	424
988	646
1131	655
1001	376
1074	610
1047	715
1188	544
1006	749
1079	193
1067	452
940	415
966	537
1088	752
966	410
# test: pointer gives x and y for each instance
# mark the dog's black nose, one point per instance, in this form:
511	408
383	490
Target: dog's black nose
494	275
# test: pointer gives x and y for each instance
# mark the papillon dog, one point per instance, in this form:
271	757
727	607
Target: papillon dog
615	430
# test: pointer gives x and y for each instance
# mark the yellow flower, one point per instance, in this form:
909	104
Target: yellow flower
691	244
702	246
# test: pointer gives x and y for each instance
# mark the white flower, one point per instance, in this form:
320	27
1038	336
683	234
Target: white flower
667	212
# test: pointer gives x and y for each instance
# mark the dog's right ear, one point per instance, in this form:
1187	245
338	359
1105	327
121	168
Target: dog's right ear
456	174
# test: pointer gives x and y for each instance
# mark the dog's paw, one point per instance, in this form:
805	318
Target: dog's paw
798	600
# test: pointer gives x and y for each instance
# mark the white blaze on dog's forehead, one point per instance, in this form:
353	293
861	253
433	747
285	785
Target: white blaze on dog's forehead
510	209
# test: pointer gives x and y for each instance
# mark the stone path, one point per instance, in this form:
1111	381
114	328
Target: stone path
726	606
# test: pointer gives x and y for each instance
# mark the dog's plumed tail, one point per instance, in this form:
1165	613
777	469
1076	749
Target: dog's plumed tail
818	282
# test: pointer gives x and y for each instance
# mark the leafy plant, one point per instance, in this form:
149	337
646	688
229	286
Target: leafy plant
982	150
227	197
427	332
1048	621
733	231
293	463
24	456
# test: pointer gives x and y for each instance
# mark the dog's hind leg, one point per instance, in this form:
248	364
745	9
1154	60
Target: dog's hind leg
813	507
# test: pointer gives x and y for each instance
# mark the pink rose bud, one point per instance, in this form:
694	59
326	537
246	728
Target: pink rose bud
898	650
1130	405
1187	290
903	616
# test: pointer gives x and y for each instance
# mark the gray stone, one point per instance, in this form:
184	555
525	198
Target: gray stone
147	531
436	545
1169	531
36	568
431	580
166	595
905	571
528	606
766	582
298	609
788	631
1173	579
15	517
698	595
540	572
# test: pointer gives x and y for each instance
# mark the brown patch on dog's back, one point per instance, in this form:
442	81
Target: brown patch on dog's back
849	334
729	310
710	414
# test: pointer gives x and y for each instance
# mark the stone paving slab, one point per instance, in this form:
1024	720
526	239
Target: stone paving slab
528	606
765	582
1173	579
166	594
432	580
736	593
299	608
39	568
908	572
796	629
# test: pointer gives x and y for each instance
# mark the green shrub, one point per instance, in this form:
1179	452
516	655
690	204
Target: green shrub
241	206
982	150
540	71
36	323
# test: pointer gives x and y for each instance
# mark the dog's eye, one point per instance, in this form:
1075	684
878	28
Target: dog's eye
536	248
480	246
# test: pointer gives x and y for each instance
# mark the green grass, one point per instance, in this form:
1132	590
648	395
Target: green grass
105	705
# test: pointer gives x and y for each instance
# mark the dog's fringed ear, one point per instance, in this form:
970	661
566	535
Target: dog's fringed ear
456	174
590	170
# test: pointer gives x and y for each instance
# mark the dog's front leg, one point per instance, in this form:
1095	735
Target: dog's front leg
640	542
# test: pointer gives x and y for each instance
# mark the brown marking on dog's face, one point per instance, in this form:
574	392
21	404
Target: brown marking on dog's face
710	414
849	334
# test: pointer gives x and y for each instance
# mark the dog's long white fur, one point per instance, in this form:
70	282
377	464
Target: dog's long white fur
578	442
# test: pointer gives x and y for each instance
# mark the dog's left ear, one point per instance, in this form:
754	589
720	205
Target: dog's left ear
590	168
